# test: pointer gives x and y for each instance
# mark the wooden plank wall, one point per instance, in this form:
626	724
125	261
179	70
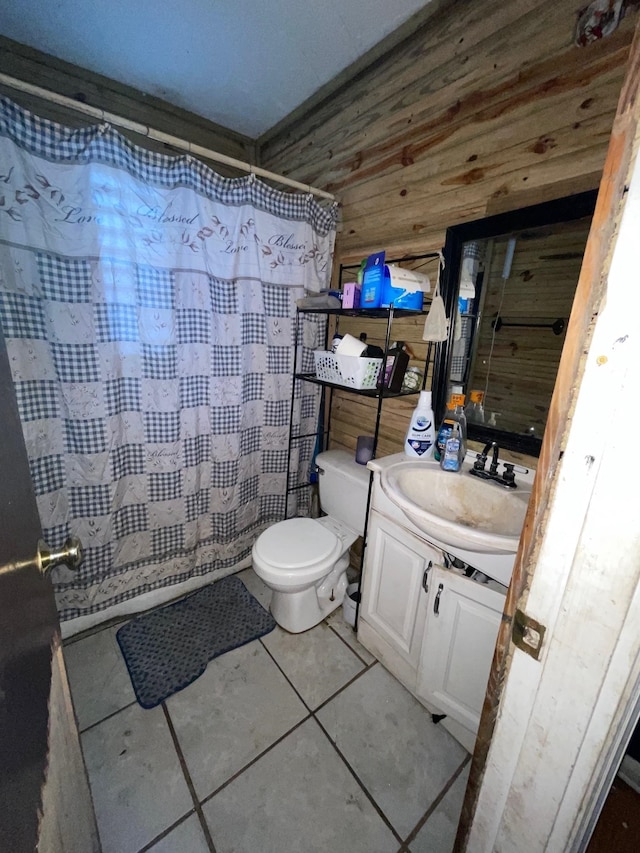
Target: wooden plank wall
486	108
40	69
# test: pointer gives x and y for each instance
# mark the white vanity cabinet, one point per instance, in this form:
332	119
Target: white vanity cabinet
460	634
432	627
394	602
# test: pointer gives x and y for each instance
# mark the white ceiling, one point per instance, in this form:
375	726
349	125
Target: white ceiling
244	64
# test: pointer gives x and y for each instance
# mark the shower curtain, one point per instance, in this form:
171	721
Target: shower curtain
148	306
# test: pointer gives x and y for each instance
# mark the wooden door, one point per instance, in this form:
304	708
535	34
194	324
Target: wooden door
461	628
553	731
46	804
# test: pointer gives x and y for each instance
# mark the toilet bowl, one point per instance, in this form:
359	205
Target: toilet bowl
304	560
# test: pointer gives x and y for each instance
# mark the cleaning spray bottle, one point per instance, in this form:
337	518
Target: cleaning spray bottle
451	455
458	399
421	435
453	415
444	431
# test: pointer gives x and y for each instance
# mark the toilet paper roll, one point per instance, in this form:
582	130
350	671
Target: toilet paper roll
350	346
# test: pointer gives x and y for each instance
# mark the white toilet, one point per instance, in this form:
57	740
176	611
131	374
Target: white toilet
304	560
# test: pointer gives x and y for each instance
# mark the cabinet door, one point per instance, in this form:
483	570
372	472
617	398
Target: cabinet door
460	635
393	601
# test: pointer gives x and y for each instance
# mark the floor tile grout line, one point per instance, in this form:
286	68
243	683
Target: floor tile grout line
167	831
351	681
365	668
108	717
438	800
363	787
188	780
347	644
310	715
257	758
284	674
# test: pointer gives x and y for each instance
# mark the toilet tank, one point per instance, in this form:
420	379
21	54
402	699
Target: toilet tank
344	486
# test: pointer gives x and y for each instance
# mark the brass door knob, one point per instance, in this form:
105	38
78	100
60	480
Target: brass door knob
70	554
45	559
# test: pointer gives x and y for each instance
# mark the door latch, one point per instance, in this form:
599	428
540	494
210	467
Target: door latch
527	634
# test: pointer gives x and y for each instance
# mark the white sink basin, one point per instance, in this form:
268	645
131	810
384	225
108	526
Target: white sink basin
458	509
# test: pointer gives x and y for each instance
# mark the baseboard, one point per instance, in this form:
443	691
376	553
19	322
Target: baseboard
146	601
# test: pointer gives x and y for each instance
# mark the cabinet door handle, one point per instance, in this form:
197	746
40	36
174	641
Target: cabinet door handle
436	603
425	577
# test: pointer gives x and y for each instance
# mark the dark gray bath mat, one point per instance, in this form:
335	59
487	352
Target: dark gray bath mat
167	649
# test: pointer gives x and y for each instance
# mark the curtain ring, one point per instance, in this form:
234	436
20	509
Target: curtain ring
252	175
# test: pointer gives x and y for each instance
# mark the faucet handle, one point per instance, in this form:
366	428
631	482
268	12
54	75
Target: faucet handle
480	462
508	476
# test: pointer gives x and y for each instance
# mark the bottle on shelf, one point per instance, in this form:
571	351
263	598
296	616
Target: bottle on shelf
458	399
412	379
372	351
420	438
474	410
397	362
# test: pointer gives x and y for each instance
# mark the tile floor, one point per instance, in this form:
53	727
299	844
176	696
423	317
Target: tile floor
288	744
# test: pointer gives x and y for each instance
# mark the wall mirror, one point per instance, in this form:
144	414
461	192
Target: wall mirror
508	286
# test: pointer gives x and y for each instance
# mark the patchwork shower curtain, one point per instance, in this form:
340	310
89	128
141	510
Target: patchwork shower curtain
148	306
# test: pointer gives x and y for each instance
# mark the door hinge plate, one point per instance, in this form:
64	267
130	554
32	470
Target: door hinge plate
527	634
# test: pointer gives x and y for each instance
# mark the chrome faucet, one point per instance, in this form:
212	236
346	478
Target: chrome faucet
506	479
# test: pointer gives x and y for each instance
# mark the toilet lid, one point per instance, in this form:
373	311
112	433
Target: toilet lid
296	542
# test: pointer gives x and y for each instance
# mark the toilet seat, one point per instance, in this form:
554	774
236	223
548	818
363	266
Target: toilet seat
296	542
299	549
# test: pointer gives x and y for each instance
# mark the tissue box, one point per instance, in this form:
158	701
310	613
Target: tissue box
389	285
404	288
351	295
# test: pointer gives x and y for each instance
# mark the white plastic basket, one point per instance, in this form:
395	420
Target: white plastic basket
348	370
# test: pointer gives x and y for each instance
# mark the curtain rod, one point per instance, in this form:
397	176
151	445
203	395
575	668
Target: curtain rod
158	135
